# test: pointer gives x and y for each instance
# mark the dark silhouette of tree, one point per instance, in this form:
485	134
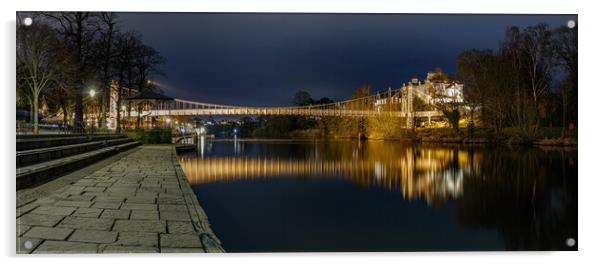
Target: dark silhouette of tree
79	30
147	62
512	88
324	100
105	57
125	45
302	98
564	43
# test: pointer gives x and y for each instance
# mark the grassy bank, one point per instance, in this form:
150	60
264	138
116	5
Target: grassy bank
508	136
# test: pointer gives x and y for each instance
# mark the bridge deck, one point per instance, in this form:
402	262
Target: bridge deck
286	111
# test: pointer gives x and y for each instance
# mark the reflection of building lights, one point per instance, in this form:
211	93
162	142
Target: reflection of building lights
429	174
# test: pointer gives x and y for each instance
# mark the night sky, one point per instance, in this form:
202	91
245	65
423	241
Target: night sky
263	59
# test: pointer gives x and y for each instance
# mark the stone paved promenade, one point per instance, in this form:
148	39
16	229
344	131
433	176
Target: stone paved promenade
139	203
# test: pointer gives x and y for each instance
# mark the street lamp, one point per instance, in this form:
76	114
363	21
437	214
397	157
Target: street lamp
92	93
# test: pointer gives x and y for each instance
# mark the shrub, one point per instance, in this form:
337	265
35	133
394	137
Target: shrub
150	136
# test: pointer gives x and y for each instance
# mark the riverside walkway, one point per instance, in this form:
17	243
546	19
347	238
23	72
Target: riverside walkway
139	202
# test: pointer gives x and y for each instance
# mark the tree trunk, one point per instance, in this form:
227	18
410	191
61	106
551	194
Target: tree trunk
78	121
103	108
35	114
119	110
65	115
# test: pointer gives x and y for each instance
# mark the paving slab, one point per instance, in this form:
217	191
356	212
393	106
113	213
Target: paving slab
176	227
94	236
87	212
175	215
53	233
143	239
139	226
66	247
54	210
138	206
39	219
144	215
86	223
129	249
115	214
180	241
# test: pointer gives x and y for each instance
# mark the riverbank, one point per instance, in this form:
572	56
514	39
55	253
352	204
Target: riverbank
139	203
547	137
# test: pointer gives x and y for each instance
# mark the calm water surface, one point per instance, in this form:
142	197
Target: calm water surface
264	196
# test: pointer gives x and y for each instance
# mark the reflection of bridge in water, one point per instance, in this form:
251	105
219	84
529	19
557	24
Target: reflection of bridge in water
431	175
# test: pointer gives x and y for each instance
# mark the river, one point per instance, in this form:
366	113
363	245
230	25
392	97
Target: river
291	195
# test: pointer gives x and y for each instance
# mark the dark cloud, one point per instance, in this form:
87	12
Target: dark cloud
263	59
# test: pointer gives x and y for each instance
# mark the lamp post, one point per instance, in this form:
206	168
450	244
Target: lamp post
91	93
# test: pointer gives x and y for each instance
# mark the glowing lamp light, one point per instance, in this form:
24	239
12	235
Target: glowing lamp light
168	120
92	93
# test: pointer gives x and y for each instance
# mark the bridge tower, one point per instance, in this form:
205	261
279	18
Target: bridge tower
410	106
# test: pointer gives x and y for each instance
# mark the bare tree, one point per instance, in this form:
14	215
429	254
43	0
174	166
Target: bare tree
125	45
35	62
147	62
106	57
536	48
79	30
564	42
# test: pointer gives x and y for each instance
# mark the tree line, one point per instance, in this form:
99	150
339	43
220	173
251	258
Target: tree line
528	83
63	55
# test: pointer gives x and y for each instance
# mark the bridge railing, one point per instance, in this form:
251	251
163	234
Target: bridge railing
392	102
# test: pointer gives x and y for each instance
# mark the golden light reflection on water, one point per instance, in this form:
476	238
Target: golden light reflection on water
434	174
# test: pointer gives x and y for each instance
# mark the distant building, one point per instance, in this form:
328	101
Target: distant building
447	92
430	91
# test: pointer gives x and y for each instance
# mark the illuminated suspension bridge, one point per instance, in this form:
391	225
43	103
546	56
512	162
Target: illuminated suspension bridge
395	103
